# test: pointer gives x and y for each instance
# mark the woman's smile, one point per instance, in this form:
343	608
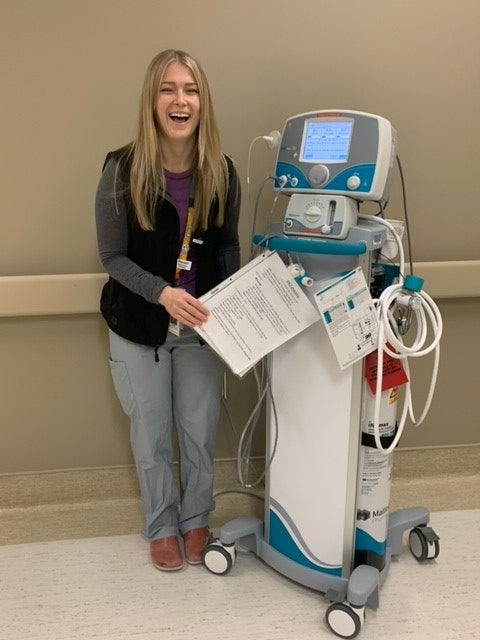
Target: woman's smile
178	103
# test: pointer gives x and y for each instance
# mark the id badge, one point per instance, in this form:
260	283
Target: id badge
174	327
184	265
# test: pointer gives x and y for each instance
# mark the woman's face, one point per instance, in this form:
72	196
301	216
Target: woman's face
178	103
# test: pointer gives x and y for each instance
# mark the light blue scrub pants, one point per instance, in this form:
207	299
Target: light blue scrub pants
181	390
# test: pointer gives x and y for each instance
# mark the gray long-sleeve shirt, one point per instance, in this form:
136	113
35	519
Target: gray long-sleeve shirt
112	239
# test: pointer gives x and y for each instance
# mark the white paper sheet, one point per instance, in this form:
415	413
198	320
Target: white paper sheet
349	316
256	310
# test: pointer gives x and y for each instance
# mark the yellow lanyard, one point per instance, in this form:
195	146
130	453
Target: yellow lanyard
182	262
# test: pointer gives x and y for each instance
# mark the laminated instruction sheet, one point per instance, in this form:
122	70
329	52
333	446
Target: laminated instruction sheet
254	311
349	315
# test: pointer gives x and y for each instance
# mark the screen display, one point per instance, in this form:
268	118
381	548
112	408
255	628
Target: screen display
326	141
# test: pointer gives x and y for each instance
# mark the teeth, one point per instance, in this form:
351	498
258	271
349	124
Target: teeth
179	115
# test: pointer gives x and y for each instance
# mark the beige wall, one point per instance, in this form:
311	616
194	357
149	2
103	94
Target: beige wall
71	73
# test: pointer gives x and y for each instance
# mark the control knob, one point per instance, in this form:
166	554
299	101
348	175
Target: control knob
353	183
318	175
313	213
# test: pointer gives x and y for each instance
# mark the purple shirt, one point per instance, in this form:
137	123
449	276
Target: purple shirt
178	188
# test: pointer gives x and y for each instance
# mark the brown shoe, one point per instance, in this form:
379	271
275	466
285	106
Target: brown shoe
195	542
165	554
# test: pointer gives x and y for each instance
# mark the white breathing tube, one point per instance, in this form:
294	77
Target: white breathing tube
422	305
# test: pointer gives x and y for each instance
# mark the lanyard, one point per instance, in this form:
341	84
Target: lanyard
182	262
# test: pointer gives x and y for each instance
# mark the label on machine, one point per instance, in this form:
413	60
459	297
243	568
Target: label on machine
349	316
374	480
374	466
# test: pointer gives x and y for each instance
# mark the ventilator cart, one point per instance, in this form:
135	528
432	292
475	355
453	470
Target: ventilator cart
332	424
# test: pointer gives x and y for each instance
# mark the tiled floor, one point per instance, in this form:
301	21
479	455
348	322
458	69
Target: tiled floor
79	571
105	588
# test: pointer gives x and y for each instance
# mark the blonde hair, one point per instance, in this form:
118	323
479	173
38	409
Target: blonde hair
147	179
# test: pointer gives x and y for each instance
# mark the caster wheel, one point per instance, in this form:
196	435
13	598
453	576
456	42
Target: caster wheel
343	620
219	559
424	543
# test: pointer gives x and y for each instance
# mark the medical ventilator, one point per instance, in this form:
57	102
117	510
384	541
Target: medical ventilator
332	410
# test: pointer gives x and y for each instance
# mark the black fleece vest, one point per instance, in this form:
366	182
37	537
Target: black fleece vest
130	315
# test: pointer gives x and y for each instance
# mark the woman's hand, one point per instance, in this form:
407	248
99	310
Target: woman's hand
183	307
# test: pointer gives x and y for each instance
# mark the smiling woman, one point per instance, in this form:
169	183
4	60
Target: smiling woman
178	114
167	211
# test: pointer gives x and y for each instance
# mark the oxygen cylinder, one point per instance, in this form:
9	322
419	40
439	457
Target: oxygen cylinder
374	480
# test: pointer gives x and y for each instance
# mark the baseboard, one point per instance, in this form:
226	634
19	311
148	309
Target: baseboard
98	502
429	465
